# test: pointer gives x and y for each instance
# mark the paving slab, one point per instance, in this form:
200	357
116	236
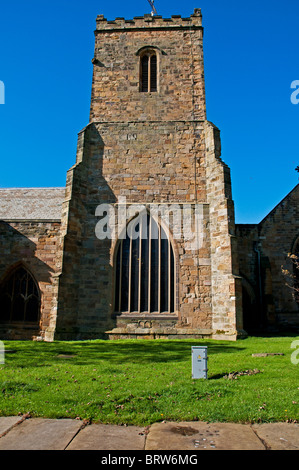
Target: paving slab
22	433
202	436
7	422
40	434
109	437
278	436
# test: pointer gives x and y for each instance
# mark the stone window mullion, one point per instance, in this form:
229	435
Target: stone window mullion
146	263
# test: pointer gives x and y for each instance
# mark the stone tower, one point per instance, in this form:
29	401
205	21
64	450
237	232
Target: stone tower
148	147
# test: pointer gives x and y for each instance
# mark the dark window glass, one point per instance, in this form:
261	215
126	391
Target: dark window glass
19	298
153	67
125	275
154	274
148	75
117	279
144	73
172	285
135	273
164	273
32	305
144	270
144	275
18	309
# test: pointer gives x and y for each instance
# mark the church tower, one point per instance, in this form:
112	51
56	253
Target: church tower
149	247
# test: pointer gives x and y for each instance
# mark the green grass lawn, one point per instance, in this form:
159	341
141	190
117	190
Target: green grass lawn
141	382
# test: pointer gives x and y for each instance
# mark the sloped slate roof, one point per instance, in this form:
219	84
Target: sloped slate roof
31	203
294	193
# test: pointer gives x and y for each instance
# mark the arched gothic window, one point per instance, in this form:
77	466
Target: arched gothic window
144	269
148	71
19	298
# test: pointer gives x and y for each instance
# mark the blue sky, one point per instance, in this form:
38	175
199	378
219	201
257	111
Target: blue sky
251	52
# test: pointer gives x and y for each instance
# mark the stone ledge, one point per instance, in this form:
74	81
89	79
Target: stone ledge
156	333
145	316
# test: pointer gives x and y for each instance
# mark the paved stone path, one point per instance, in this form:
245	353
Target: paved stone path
25	433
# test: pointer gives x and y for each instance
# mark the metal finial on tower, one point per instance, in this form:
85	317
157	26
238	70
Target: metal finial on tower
154	11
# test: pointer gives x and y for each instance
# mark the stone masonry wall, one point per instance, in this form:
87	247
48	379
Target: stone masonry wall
179	48
225	279
111	166
278	234
36	245
150	148
263	250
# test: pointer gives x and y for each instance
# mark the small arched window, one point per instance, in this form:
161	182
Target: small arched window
144	269
148	71
19	298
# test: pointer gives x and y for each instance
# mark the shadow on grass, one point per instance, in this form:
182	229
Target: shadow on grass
278	334
118	352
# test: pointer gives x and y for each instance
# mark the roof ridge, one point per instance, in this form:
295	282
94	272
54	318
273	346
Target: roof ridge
39	187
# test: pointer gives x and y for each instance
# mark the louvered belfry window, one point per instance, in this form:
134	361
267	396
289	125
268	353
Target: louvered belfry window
148	76
145	270
19	298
